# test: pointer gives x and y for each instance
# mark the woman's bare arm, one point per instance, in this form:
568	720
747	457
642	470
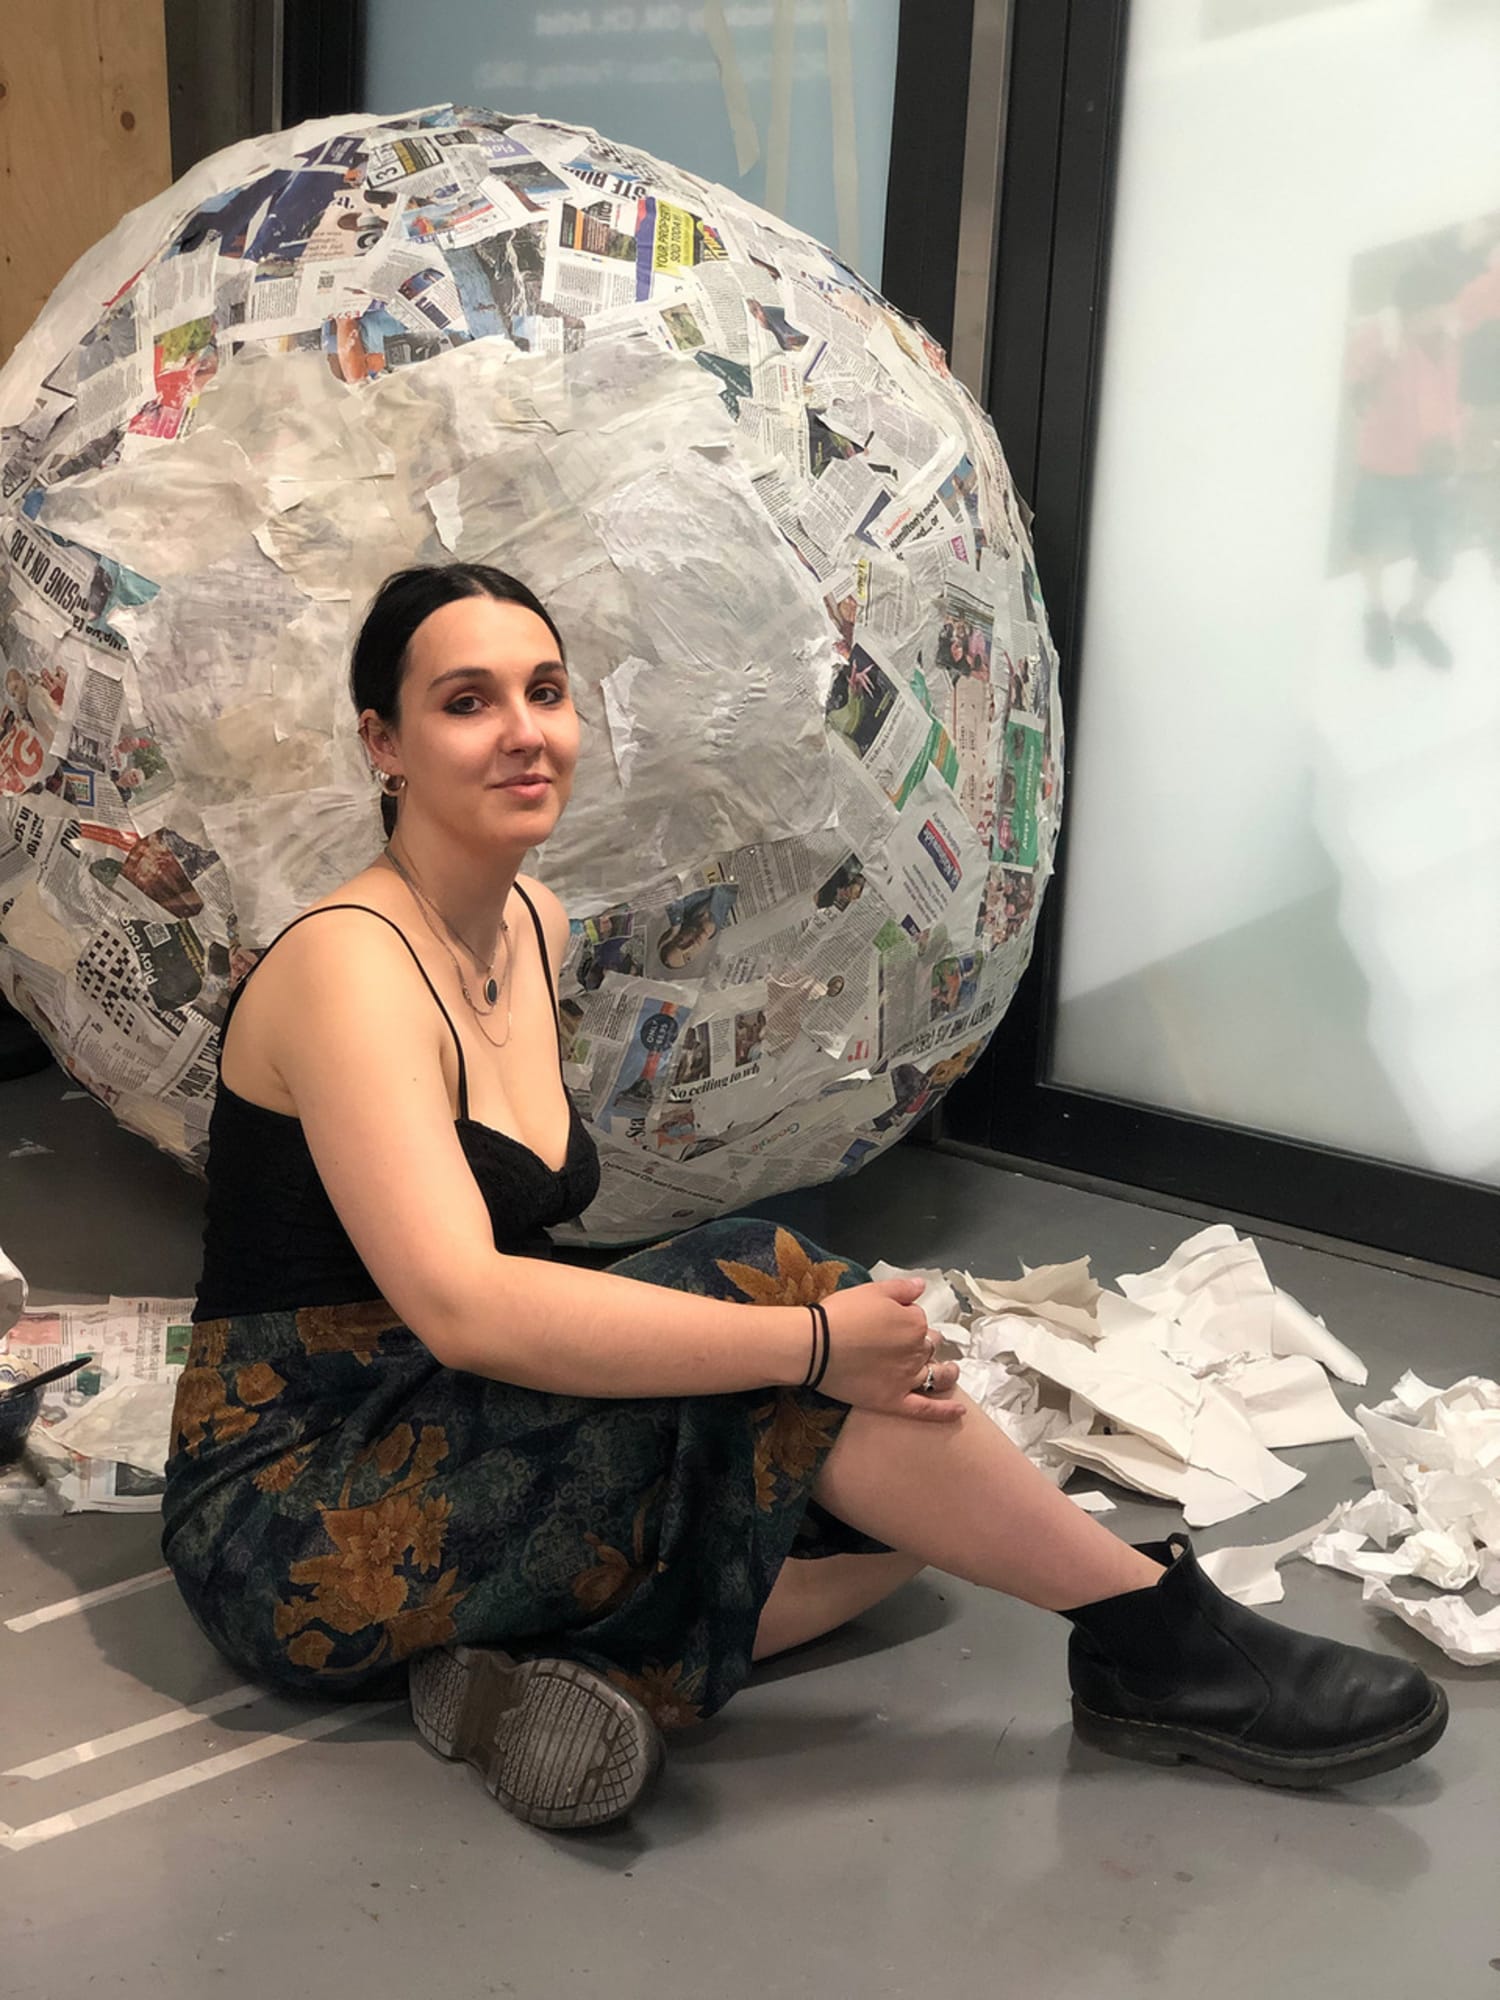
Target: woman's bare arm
592	1333
366	1075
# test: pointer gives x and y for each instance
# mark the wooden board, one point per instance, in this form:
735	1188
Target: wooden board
84	136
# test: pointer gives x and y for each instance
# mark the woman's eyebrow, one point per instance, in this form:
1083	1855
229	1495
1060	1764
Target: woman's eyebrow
488	673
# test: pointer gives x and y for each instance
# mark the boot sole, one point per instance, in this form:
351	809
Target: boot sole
1160	1743
555	1743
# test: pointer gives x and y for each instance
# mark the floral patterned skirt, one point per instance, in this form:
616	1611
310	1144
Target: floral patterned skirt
337	1500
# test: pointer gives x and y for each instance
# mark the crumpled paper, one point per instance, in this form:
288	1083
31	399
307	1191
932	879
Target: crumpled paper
1186	1382
1183	1384
1470	1637
1214	1291
1433	1515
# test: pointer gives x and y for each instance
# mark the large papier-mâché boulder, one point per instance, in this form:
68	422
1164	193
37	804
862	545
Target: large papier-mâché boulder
819	789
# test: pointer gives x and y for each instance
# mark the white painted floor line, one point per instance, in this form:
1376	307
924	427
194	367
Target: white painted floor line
66	1606
20	1837
138	1732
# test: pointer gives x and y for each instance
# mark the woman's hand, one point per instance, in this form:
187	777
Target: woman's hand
879	1350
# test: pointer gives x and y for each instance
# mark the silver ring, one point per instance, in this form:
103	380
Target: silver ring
927	1385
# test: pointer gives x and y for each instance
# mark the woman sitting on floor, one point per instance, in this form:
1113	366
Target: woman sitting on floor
579	1502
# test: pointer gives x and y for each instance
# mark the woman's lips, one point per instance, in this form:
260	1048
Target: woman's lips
529	787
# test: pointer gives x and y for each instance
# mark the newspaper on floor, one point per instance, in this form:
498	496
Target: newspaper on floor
100	1441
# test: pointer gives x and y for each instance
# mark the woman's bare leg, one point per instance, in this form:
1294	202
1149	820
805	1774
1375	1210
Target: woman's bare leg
811	1597
962	1497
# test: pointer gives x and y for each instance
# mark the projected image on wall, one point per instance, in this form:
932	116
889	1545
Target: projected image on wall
1407	720
1420	445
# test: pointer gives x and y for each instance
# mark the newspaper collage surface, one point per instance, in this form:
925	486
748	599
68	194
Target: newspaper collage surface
822	761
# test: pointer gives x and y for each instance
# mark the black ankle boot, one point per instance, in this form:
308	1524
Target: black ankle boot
1179	1670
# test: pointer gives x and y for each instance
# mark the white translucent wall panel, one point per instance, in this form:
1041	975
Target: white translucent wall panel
1299	437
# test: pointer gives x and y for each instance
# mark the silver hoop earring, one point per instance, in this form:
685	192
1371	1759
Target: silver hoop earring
391	783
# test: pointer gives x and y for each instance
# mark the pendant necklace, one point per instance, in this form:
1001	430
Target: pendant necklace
491	988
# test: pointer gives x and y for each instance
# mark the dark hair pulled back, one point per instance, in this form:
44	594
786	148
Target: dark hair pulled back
403	601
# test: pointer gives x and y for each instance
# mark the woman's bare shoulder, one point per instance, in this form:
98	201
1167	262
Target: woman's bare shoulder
346	939
347	910
346	953
554	917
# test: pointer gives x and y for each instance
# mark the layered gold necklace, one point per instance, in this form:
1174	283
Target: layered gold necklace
491	988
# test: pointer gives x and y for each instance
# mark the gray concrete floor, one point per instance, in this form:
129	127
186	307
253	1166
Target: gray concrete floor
897	1810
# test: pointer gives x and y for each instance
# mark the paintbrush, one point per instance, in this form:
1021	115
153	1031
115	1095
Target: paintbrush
47	1375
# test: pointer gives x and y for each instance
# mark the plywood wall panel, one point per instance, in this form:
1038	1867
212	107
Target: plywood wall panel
84	136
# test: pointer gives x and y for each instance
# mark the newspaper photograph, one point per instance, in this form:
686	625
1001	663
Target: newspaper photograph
645	1065
593	262
720	1057
684	941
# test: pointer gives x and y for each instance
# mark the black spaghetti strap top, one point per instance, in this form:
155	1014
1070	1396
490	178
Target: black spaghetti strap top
273	1241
